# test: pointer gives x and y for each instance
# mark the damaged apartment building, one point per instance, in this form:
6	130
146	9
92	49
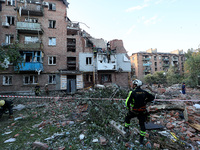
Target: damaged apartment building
143	63
56	51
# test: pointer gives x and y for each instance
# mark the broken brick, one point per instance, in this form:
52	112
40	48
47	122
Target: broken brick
40	145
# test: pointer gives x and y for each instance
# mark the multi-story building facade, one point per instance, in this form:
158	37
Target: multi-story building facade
143	63
55	50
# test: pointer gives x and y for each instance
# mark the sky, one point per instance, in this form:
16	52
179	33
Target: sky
141	24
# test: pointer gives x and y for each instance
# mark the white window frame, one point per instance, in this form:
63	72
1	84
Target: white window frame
31	39
7	80
33	20
12	21
88	60
11	2
51	60
52	24
52	79
8	38
52	6
52	41
32	79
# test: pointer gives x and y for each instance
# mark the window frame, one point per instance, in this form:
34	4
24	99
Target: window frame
109	77
10	20
52	78
34	79
51	42
52	24
88	60
7	78
52	7
9	39
51	58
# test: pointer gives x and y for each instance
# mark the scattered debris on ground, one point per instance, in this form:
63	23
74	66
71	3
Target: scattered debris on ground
87	121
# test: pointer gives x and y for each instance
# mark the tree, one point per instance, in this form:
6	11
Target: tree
192	67
157	78
172	76
10	53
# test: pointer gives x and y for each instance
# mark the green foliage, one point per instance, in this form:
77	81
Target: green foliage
172	76
157	78
11	53
192	67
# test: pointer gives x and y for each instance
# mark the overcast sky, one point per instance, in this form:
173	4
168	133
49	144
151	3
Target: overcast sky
142	24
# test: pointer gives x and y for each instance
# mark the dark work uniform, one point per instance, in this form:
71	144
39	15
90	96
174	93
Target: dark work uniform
8	105
136	104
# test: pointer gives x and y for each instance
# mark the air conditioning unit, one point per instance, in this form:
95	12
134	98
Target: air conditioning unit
5	24
45	3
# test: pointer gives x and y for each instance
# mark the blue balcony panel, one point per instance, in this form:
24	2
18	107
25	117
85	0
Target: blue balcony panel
30	66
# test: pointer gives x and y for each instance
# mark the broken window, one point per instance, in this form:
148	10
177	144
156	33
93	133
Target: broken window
88	60
9	39
52	41
155	58
51	60
11	2
32	56
7	80
89	77
52	24
33	20
31	79
71	45
71	63
10	20
52	6
106	78
52	79
31	39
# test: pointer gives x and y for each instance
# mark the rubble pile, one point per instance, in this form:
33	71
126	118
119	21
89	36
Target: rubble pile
84	121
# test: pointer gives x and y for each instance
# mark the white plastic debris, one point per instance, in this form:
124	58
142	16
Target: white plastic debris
8	132
10	140
18	118
81	136
95	140
19	107
197	106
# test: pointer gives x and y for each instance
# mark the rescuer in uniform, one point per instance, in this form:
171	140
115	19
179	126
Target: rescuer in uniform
6	104
136	105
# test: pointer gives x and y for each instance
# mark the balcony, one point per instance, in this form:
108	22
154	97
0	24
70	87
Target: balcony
146	59
174	58
30	66
31	9
72	28
31	46
165	59
27	27
105	62
165	65
147	64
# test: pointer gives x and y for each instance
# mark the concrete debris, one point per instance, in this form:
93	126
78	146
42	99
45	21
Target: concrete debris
19	107
89	124
40	145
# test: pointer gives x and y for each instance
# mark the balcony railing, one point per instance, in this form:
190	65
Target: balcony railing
31	45
165	59
146	59
27	27
147	64
31	9
30	66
